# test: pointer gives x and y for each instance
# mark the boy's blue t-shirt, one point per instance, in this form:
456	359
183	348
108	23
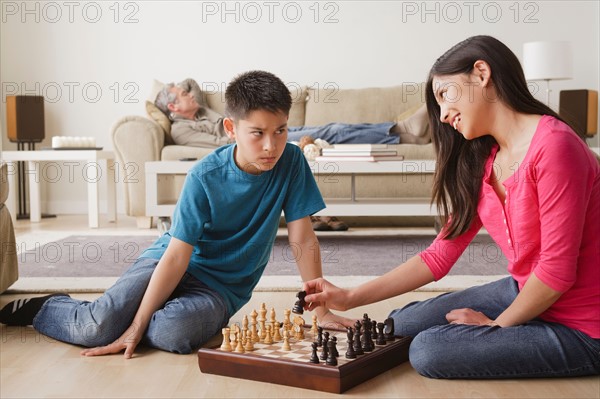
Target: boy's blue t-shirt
231	218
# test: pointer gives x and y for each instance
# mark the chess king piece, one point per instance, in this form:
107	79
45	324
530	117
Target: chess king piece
298	307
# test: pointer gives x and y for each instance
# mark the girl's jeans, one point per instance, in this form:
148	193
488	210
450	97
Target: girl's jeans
534	349
192	314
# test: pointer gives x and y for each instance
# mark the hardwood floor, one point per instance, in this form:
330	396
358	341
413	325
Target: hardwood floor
32	365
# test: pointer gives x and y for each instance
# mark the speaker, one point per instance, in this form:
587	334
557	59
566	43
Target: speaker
25	118
580	109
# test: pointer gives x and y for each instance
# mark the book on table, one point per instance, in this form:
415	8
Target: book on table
363	158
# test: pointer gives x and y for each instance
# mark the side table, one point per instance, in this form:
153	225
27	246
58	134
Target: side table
93	176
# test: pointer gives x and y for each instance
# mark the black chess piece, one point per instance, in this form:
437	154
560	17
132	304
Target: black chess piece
319	336
389	329
380	336
358	350
367	343
331	350
350	354
313	357
335	351
325	351
298	307
373	330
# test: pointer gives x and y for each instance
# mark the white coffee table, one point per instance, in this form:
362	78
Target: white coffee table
335	207
93	174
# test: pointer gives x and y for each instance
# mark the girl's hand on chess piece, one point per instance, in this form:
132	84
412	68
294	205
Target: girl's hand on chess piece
321	292
470	317
128	341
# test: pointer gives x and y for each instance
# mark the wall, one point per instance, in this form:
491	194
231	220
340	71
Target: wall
95	61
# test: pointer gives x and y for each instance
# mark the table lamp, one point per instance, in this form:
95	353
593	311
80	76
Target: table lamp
545	60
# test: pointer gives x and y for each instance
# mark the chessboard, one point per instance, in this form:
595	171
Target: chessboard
271	363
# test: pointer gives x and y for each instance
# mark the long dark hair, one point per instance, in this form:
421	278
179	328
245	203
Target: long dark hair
460	162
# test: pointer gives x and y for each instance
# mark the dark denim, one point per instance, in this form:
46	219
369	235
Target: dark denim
534	349
192	314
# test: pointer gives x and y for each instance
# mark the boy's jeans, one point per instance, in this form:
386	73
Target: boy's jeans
535	349
192	314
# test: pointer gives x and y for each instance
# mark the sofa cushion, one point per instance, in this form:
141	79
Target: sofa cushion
216	101
369	105
159	117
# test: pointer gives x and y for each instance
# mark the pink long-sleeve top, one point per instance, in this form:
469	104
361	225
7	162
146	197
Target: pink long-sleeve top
548	225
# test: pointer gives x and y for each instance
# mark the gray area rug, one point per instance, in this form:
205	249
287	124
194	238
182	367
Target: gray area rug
110	256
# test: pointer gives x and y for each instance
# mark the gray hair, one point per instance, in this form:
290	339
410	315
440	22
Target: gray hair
165	97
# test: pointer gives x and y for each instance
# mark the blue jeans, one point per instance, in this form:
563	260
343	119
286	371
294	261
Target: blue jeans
192	314
343	133
534	349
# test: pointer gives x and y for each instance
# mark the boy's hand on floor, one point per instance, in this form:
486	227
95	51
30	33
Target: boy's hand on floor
128	342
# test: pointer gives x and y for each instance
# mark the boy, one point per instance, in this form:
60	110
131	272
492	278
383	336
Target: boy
184	288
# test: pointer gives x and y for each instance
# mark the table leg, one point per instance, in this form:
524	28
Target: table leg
92	175
13	192
35	198
111	191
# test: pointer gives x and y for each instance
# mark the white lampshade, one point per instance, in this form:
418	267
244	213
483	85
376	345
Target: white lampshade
547	60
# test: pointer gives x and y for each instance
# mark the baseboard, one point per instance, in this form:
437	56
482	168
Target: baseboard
266	284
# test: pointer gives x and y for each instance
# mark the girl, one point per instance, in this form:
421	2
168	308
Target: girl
507	162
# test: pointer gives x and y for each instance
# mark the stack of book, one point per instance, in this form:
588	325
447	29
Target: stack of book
360	152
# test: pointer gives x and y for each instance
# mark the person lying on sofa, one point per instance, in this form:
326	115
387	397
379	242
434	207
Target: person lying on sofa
184	288
195	124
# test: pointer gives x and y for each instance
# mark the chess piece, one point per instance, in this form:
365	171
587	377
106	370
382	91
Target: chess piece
268	336
335	351
299	326
389	329
331	350
358	350
325	351
367	343
240	346
287	323
262	319
249	347
350	351
226	345
313	357
298	307
319	336
315	326
276	333
286	341
380	336
253	324
373	330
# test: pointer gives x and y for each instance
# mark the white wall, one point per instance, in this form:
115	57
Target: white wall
94	61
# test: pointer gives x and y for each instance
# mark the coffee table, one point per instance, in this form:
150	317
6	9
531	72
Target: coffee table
335	207
93	174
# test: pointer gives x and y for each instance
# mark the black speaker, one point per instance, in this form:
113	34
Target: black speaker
25	118
580	109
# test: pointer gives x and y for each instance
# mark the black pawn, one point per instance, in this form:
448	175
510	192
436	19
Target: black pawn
350	351
313	357
389	329
335	351
380	336
373	330
331	359
298	307
325	351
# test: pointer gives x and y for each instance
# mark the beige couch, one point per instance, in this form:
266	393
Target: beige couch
138	139
9	271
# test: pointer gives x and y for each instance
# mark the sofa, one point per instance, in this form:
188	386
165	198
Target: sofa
140	139
9	271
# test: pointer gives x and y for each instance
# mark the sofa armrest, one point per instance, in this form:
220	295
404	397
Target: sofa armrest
136	140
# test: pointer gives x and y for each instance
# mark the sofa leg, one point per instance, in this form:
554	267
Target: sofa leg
144	222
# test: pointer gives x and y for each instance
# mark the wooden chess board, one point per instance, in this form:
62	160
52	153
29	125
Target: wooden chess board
270	363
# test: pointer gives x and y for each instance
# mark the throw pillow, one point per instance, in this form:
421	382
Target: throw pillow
159	117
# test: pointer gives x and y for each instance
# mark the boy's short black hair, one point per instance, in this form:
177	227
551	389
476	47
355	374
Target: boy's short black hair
254	90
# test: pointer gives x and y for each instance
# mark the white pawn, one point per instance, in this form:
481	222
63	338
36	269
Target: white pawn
286	341
268	336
